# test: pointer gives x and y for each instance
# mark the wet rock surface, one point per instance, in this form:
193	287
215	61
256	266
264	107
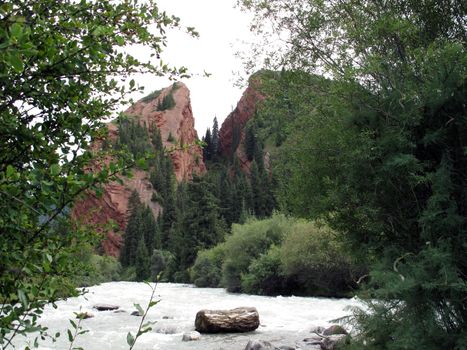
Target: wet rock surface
242	319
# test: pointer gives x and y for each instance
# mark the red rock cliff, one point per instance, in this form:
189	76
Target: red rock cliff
178	122
233	126
109	213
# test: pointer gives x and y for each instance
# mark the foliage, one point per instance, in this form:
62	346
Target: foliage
142	261
382	156
201	226
143	327
95	268
207	269
152	96
264	274
246	243
59	67
139	239
166	103
161	265
133	137
316	259
279	255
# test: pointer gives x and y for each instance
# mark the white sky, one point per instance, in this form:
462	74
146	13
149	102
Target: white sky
222	30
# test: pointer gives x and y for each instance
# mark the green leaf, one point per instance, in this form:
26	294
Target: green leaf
70	335
130	339
55	169
120	41
153	303
22	298
10	171
14	59
16	30
139	308
141	163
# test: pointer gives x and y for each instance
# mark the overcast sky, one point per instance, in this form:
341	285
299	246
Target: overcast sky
222	30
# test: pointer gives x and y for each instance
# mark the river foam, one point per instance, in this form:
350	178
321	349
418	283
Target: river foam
283	319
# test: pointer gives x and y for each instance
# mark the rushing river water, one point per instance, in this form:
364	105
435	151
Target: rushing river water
284	320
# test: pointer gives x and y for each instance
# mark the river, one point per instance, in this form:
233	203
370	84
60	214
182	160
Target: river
284	320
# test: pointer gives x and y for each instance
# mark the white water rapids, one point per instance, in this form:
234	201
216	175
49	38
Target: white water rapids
284	320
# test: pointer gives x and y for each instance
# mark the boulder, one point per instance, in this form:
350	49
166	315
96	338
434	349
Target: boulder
333	341
334	329
136	313
259	345
105	307
242	319
189	336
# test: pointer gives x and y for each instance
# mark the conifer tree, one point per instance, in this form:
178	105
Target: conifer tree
142	261
148	228
201	228
250	142
215	139
132	231
207	149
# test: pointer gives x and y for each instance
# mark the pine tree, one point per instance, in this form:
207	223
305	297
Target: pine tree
148	228
215	139
202	227
207	149
142	261
132	231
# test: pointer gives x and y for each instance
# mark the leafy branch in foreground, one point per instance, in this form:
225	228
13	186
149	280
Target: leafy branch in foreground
143	327
62	73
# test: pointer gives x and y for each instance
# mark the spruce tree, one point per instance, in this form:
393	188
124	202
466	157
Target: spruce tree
207	149
202	227
142	261
215	139
132	231
148	228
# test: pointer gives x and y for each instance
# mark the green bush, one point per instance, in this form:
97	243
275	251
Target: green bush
152	96
279	255
265	274
207	270
167	102
161	262
313	255
99	269
247	242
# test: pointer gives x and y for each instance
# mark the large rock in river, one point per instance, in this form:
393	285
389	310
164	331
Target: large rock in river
242	319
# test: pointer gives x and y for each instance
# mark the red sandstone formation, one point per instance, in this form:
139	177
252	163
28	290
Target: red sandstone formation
187	157
109	213
236	122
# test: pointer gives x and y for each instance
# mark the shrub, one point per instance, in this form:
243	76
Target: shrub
312	254
152	96
96	268
247	242
265	275
171	138
167	102
207	270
